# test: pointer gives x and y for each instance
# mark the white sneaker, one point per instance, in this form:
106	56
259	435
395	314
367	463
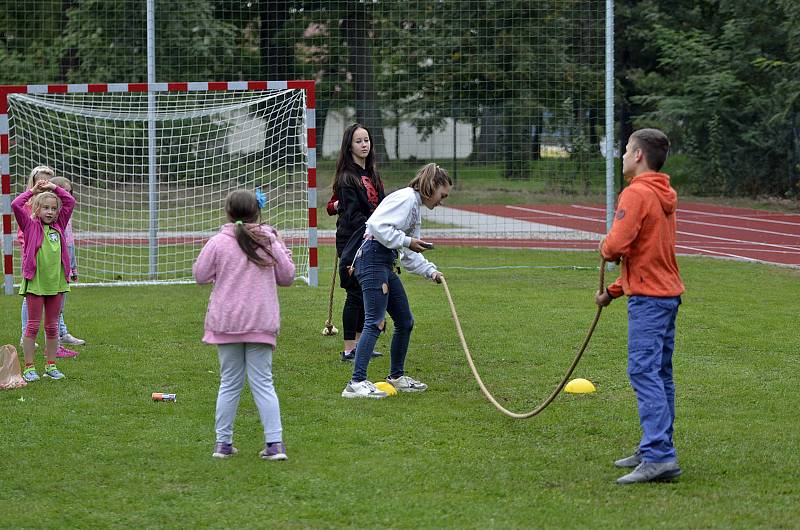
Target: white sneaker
362	389
407	384
69	339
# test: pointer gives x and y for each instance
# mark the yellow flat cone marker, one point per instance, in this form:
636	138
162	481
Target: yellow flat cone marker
580	386
383	386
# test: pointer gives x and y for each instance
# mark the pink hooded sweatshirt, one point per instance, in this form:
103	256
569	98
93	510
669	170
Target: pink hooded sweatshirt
33	231
243	306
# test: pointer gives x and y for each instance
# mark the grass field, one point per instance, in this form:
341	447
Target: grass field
93	451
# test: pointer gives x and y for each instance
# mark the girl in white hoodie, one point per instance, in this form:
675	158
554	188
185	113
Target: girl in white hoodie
245	262
394	230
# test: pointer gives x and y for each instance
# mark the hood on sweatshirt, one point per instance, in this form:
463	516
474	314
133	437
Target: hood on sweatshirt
659	183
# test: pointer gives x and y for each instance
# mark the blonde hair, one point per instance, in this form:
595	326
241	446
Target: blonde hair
38	170
36	202
428	180
62	182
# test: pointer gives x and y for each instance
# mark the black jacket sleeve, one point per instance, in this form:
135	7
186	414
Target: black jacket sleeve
354	208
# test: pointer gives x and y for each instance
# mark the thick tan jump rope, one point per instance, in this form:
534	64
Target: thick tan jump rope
329	328
551	397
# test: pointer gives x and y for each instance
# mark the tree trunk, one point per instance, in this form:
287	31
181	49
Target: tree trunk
516	143
277	64
69	59
536	140
594	138
486	146
794	169
277	56
358	31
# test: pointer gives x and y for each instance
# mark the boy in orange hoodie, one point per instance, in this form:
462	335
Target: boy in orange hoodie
643	237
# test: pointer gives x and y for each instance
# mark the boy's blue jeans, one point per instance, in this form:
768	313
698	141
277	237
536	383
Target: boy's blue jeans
651	341
374	269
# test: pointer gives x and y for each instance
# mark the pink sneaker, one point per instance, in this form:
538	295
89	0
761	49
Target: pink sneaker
64	352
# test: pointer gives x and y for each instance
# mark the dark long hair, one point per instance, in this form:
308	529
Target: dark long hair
241	205
347	167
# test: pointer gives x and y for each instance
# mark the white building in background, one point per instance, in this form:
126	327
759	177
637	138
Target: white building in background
438	146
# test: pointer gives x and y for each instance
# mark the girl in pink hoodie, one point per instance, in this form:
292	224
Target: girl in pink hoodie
246	262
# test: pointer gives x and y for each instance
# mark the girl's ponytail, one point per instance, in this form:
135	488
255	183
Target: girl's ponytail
242	207
429	178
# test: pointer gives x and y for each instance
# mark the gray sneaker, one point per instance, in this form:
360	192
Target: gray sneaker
66	338
650	472
407	384
631	461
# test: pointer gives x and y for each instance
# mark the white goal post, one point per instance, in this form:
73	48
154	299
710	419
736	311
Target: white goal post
151	164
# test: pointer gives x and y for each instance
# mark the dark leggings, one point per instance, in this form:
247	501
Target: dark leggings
353	313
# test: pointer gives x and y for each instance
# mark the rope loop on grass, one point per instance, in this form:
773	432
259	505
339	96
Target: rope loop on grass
329	328
552	396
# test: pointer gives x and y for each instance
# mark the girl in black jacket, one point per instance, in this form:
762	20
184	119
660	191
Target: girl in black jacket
359	190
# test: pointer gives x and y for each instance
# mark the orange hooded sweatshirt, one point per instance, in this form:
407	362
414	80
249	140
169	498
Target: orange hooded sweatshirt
643	235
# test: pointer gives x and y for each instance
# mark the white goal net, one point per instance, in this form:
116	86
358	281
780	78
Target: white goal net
151	169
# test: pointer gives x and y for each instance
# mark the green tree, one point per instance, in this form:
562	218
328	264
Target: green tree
29	32
109	40
722	79
723	90
501	66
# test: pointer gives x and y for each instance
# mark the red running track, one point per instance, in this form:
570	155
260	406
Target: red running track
711	230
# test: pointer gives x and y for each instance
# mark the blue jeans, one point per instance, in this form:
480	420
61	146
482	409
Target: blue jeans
383	292
651	342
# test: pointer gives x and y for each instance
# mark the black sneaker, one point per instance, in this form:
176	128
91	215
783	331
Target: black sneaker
350	357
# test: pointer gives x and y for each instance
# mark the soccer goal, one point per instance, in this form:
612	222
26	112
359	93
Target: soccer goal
151	165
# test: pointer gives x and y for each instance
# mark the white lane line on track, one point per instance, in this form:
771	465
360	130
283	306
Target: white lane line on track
705	223
745	217
707	251
556	214
681	232
711	214
740	247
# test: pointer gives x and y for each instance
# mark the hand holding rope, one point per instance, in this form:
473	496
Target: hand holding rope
329	328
